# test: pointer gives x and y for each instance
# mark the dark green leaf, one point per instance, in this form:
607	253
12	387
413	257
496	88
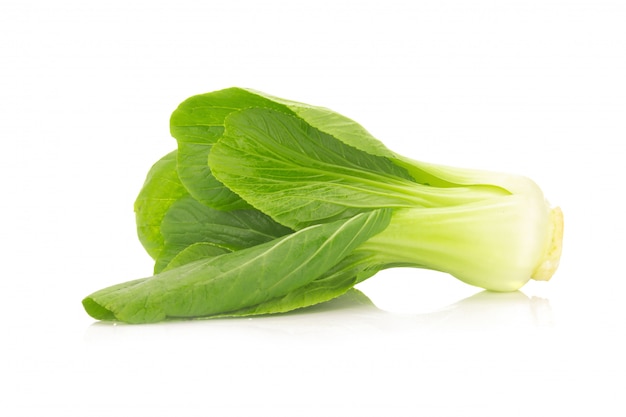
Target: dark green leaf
189	221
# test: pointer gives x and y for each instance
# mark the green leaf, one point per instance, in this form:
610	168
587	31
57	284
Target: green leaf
197	124
353	269
189	221
195	252
161	189
339	126
301	176
238	279
203	186
351	133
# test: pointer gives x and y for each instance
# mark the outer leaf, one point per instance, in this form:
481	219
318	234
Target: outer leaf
160	190
239	279
340	127
197	124
353	269
189	221
301	176
353	134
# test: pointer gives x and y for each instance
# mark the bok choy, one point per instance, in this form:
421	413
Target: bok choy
269	205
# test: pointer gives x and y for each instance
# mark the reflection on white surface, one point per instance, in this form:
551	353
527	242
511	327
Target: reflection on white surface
345	353
489	309
355	313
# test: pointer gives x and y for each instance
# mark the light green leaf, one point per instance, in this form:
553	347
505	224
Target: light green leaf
238	279
161	189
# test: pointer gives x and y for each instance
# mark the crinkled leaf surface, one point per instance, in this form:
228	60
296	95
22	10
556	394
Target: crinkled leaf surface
238	279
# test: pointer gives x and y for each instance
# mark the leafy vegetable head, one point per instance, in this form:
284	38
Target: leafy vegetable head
270	205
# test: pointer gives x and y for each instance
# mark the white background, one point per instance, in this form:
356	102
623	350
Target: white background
530	87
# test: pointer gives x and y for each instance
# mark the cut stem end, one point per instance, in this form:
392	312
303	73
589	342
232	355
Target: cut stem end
552	255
